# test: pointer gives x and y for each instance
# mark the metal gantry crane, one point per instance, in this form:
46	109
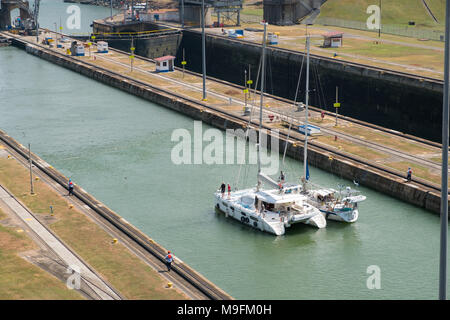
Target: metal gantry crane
30	25
36	18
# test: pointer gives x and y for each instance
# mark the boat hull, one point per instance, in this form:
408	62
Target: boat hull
248	219
341	216
318	221
262	221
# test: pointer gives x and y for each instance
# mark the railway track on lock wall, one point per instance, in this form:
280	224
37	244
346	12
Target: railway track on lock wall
64	265
294	118
254	124
316	109
363	142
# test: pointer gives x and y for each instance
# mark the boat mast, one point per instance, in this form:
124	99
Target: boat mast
203	51
305	157
444	182
263	65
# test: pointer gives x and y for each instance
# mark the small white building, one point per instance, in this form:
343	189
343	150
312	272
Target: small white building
272	37
333	40
165	64
79	50
102	47
311	130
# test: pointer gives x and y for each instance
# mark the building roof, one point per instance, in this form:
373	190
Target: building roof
165	58
333	34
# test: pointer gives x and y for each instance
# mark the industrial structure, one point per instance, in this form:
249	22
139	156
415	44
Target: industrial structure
26	22
226	11
288	12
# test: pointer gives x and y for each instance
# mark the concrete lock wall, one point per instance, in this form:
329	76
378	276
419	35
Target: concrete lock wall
320	158
138	26
280	12
152	45
158	46
408	104
288	12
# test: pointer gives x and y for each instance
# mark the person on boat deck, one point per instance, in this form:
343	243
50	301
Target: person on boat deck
229	191
222	189
409	174
169	260
282	177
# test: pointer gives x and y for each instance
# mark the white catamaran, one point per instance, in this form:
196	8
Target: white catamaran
270	210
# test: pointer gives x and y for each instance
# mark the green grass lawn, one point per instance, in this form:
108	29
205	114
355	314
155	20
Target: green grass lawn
415	57
252	11
393	12
438	9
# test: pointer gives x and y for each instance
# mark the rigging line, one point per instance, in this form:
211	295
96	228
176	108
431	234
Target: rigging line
249	121
247	140
270	73
295	100
246	171
253	106
322	90
322	102
316	91
258	79
314	84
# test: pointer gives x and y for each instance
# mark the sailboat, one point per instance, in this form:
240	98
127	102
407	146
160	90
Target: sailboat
335	205
270	210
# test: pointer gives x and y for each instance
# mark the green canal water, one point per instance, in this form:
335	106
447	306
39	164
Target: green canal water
118	147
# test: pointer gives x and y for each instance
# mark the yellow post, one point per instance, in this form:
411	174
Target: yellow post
132	57
337	105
